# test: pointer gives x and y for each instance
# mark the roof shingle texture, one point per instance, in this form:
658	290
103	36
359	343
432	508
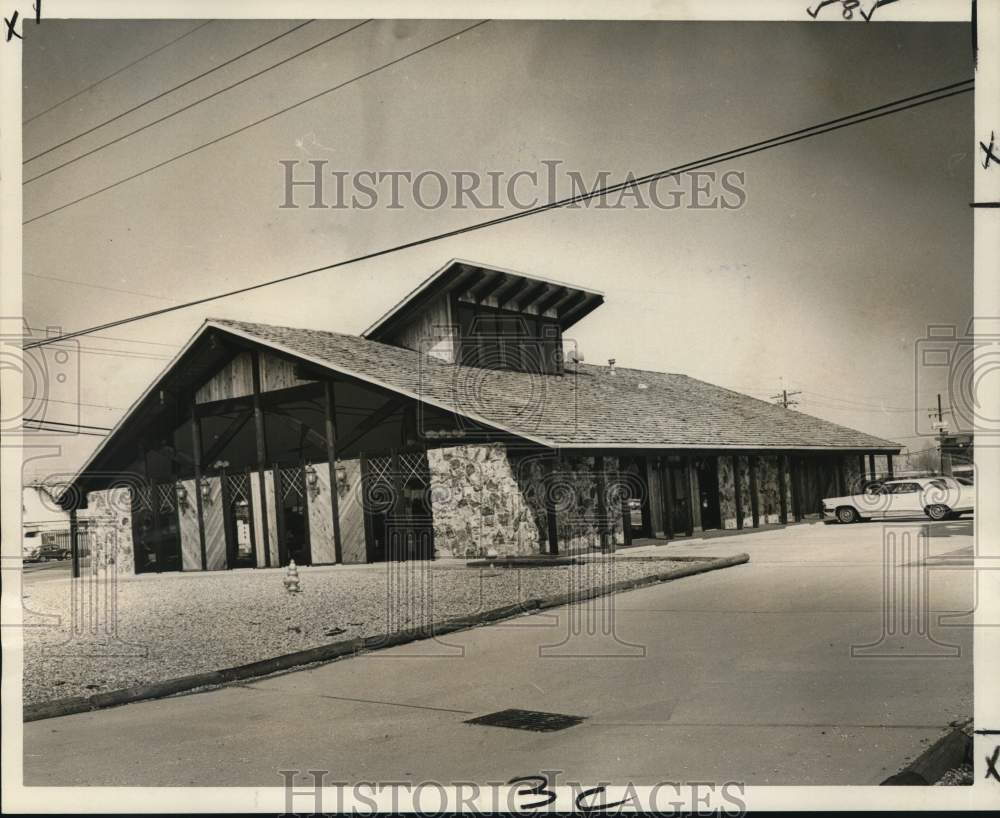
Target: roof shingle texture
588	405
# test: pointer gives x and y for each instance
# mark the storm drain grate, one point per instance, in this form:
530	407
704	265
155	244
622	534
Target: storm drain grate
528	720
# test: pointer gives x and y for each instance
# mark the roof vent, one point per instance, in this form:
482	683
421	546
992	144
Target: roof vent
611	366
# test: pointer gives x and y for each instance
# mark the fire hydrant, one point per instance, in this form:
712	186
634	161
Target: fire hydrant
292	582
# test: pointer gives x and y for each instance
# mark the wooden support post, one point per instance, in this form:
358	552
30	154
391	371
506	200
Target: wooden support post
74	546
260	434
871	466
366	507
841	480
796	477
888	463
736	491
668	495
861	463
330	406
396	513
690	496
603	523
626	512
754	499
551	519
783	487
196	450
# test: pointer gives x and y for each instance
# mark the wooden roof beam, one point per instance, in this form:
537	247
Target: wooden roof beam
509	291
553	298
487	286
530	294
581	307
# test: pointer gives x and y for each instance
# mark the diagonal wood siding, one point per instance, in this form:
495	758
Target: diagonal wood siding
352	518
190	537
215	531
321	517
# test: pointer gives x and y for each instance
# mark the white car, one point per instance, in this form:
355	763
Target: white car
940	498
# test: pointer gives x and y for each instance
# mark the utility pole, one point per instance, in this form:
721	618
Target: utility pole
785	398
942	429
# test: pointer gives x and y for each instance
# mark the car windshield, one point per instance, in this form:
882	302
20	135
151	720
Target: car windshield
940	483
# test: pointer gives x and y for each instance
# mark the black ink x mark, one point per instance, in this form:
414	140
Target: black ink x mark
988	150
991	764
11	32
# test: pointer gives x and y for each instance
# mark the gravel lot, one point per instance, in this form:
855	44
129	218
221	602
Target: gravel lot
178	624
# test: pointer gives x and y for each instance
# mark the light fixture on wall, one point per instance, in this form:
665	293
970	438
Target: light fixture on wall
312	479
206	492
182	495
342	485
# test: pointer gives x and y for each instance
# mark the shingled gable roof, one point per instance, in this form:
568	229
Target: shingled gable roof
586	408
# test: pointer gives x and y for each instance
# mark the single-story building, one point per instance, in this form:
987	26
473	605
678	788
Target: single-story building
460	422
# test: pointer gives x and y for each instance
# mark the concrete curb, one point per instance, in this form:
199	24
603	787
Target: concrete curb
353	647
952	750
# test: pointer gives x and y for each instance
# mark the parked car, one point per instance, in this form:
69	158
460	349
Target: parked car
53	551
34	550
30	546
940	498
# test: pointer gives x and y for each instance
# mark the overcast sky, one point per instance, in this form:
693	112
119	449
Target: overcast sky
848	245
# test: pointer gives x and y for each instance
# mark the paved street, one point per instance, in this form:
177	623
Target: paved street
747	674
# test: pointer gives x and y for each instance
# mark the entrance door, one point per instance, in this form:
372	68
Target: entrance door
707	472
412	534
156	536
680	497
240	551
293	516
144	531
639	517
399	521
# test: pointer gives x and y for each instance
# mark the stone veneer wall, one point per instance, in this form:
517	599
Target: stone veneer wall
576	489
768	490
727	492
485	497
478	504
109	529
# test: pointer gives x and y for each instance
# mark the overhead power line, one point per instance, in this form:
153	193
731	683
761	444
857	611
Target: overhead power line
194	104
100	287
870	404
162	94
123	340
119	71
74	403
65	431
260	121
62	423
793	136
